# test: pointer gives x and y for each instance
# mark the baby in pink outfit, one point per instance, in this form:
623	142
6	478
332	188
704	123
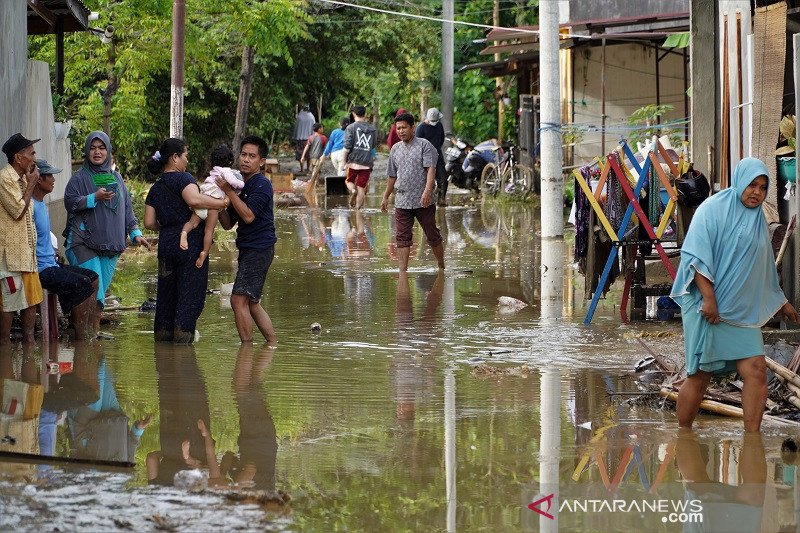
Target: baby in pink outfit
222	159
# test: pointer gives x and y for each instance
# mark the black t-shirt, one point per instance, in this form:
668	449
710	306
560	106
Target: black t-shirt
434	134
172	212
260	233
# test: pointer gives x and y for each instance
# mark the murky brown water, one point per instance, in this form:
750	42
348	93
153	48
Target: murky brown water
377	422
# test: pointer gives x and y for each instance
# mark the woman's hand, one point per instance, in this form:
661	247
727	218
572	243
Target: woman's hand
789	313
709	310
103	194
141	241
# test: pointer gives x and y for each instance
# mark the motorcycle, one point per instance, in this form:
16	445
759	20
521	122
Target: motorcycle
455	152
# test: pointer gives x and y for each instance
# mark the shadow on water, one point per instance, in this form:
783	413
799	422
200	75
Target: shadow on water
379	421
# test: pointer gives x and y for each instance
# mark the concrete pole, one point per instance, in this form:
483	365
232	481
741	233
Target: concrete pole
176	87
552	210
450	447
552	278
448	12
549	443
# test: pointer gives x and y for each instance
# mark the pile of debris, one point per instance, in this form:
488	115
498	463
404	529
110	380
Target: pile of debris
724	397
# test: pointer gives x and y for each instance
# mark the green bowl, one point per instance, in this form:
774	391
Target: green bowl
787	168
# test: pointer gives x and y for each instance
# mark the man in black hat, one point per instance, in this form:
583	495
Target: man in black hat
75	287
20	289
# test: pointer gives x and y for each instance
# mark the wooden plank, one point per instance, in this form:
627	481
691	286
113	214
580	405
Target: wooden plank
596	206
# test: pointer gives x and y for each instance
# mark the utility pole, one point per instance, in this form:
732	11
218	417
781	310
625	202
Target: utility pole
176	88
448	12
498	81
552	206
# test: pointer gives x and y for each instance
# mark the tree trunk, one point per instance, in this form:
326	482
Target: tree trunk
111	88
243	105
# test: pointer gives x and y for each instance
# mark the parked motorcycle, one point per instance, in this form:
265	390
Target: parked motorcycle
455	152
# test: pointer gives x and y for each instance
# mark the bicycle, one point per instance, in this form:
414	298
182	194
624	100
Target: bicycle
506	174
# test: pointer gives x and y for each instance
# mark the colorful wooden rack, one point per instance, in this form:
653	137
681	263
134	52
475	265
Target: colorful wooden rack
626	178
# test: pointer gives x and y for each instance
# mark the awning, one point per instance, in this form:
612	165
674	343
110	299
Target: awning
654	27
50	16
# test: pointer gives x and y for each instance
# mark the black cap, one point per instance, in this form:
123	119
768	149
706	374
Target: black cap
15	144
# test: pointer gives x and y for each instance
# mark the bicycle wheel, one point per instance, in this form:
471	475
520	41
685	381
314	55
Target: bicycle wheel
490	181
522	180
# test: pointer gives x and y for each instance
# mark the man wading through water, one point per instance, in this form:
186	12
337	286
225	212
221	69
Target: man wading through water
255	238
412	176
360	143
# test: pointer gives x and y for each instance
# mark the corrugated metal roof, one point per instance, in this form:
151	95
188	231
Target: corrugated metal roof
642	28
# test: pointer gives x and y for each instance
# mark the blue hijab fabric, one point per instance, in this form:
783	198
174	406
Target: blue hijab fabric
729	244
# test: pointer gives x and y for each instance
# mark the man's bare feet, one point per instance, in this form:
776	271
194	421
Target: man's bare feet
184	241
200	259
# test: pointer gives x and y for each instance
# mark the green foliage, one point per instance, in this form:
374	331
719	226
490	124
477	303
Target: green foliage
475	109
648	116
305	53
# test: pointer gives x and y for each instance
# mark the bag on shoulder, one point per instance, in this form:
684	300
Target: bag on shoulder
693	188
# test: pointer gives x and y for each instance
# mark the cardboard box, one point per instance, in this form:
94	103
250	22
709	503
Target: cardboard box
281	182
272	166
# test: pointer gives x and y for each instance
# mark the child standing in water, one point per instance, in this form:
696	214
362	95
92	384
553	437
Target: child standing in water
221	159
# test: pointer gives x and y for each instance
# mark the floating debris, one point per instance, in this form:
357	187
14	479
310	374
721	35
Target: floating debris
148	306
649	334
508	305
316	327
488	370
191	480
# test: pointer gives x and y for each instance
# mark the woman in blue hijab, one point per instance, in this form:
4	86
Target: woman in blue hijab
727	287
99	216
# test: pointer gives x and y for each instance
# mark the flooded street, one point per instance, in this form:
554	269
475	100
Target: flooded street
382	420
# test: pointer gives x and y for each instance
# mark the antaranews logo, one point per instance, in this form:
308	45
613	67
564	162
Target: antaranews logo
534	505
679	511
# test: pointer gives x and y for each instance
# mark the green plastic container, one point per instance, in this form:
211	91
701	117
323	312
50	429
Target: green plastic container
787	168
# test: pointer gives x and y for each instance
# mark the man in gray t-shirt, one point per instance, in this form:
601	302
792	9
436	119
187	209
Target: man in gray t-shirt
412	176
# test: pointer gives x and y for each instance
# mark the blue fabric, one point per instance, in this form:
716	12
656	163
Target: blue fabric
260	233
91	201
335	142
101	265
108	394
45	255
47	432
135	233
727	243
715	348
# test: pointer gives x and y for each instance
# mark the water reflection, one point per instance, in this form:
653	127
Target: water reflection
185	432
723	507
379	422
254	465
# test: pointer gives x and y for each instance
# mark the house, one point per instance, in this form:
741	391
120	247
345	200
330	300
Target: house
25	89
612	62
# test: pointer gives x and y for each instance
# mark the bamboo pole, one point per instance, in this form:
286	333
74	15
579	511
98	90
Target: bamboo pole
725	410
739	71
726	109
783	372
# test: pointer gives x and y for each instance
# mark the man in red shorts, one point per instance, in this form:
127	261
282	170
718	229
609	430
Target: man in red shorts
412	177
360	144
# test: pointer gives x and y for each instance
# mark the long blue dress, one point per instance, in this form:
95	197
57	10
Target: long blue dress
728	243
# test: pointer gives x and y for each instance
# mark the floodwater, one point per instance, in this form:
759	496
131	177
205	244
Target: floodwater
380	422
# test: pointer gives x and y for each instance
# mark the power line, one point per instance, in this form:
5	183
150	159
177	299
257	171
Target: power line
433	19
